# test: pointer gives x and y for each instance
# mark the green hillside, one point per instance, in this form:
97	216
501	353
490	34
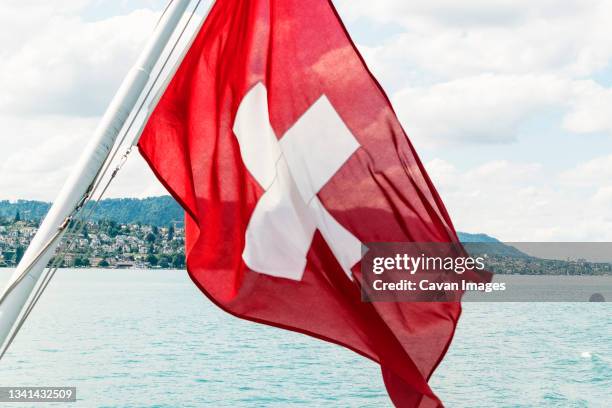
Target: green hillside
159	211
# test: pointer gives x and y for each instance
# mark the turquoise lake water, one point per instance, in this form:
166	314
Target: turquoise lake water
149	338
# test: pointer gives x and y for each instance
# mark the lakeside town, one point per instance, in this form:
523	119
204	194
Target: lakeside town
102	244
147	234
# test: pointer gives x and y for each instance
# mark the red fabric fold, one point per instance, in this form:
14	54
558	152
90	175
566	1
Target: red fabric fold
300	51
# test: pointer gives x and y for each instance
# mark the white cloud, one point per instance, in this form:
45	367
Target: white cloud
55	82
521	202
591	109
72	67
135	180
593	173
493	108
477	71
483	109
461	38
603	197
467	12
38	159
37	153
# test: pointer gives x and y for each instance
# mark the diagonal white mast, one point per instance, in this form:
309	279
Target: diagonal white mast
28	274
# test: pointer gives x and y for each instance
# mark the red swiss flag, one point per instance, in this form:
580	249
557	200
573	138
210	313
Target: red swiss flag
286	155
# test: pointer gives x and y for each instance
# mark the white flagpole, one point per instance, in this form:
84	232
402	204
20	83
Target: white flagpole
43	246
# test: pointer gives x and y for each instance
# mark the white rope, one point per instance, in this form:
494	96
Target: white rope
72	222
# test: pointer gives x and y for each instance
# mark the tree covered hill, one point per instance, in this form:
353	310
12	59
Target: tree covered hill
158	211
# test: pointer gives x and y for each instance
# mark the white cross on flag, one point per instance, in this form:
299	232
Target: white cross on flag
286	155
292	171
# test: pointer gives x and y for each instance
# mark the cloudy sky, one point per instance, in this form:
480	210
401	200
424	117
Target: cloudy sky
508	102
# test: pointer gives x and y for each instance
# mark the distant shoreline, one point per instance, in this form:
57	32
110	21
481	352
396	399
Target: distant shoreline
608	275
12	268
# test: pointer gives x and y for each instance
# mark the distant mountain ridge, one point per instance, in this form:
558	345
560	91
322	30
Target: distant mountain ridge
158	211
467	237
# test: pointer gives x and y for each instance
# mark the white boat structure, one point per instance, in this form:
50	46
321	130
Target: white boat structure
118	131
